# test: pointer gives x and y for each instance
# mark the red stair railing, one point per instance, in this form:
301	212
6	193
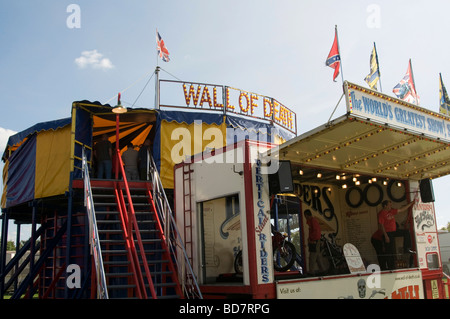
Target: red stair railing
130	222
129	244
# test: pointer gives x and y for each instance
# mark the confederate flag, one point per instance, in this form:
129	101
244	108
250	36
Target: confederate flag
405	89
334	59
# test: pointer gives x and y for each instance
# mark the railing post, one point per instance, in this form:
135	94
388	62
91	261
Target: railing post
166	215
33	240
3	252
102	292
16	268
133	223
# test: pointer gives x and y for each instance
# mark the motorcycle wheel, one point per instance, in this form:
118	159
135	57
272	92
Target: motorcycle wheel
284	256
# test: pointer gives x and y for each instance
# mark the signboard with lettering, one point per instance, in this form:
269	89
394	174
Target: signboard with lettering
388	110
400	285
426	231
226	99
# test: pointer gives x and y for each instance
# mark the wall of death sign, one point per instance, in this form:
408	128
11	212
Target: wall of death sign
226	99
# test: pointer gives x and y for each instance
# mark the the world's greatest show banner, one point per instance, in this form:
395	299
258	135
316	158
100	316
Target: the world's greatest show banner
384	109
226	99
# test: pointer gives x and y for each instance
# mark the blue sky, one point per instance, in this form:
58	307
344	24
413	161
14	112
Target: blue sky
275	48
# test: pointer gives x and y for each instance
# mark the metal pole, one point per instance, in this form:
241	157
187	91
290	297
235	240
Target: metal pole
3	248
339	50
116	169
33	240
17	251
157	88
329	120
378	65
414	82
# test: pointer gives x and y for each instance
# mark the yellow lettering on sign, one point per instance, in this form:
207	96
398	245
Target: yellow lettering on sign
267	105
205	97
195	96
215	99
229	106
247	102
275	111
253	98
434	289
234	100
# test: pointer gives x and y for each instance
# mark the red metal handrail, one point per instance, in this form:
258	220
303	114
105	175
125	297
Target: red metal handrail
131	249
130	223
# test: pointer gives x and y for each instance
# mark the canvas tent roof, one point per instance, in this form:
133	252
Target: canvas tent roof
17	139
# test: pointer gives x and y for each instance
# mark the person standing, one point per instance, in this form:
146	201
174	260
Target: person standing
315	233
144	159
130	162
388	227
103	156
378	245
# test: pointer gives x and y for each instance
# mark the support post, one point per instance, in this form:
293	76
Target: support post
117	152
69	231
157	88
17	251
4	242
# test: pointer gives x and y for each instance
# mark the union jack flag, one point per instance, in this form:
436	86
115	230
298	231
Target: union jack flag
334	58
161	47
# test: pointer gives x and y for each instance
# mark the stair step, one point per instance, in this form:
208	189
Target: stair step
119	231
129	274
122	241
107	212
118	274
165	284
97	204
107	221
169	297
110	231
116	263
98	195
121	286
114	251
115	212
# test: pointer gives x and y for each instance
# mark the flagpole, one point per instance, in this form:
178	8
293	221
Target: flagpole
157	60
157	88
414	82
412	74
440	88
378	65
340	56
444	109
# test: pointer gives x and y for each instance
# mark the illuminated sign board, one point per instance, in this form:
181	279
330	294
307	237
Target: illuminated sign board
388	110
227	100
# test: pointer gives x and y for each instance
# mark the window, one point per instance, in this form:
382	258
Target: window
432	261
221	236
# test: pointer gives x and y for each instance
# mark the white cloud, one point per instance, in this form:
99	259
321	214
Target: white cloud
4	136
93	59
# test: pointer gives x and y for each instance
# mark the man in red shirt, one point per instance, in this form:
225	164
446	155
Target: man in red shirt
388	226
378	245
314	243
